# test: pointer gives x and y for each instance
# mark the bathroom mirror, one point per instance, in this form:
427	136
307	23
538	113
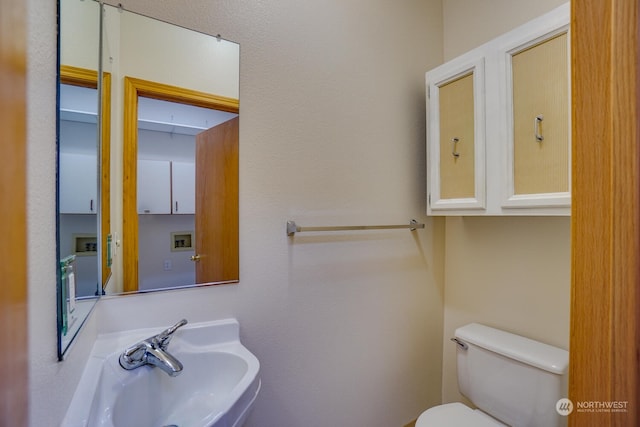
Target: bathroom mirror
165	127
79	219
174	154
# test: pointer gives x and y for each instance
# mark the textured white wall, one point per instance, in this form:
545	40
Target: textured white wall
51	383
348	327
509	273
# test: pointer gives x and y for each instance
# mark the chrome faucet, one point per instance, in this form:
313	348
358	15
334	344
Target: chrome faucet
153	351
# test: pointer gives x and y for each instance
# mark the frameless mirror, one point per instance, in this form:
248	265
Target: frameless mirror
174	173
79	273
148	200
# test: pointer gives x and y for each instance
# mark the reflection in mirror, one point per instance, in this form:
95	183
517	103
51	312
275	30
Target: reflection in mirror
78	192
166	187
79	160
177	201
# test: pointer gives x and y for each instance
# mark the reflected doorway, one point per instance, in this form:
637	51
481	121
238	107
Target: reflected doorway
180	188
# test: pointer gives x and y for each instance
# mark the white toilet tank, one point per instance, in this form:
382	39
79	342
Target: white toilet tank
514	379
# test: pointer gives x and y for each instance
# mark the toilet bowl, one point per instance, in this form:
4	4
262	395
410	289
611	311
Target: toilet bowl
456	415
512	380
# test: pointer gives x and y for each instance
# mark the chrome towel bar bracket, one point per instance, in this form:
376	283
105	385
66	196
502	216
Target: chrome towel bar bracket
293	228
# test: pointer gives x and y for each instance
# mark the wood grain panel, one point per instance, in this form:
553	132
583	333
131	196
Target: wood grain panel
541	88
13	206
217	203
133	88
105	180
605	258
130	188
457	173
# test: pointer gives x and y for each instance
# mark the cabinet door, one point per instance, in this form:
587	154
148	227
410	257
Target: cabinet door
539	130
78	183
455	145
154	187
457	154
183	188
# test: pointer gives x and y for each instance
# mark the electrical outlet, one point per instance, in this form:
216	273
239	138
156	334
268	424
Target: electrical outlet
167	264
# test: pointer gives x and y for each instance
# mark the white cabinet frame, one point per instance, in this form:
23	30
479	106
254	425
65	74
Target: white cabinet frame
493	115
435	79
528	35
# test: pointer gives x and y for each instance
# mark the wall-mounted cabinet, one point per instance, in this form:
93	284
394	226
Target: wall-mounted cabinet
498	140
183	185
78	183
154	187
457	135
166	187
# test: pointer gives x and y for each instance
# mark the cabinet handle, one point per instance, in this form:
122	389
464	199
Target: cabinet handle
91	205
454	153
537	128
176	206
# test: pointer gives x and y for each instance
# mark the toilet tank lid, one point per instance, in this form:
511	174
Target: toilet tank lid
525	350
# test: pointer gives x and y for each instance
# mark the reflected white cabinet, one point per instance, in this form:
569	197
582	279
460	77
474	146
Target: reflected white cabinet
166	187
183	186
78	183
498	139
154	187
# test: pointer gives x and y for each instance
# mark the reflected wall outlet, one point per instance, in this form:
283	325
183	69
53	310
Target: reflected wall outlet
166	264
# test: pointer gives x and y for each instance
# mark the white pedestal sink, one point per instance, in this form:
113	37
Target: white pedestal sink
216	388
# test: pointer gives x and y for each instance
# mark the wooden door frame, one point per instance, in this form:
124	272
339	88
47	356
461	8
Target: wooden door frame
89	78
605	230
134	88
14	387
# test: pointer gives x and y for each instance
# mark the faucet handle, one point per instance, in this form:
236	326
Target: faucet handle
133	356
130	352
164	337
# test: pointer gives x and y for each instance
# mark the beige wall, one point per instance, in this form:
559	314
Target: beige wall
348	327
79	20
509	273
470	23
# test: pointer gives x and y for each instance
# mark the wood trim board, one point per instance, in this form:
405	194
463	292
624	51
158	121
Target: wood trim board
605	233
13	210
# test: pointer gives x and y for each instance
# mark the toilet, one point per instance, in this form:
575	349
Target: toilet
512	380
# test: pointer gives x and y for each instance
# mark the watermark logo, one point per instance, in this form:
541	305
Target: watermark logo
564	407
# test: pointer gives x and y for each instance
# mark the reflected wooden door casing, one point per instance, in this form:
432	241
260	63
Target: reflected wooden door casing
217	203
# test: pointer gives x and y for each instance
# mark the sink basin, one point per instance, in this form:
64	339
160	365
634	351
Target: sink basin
217	386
